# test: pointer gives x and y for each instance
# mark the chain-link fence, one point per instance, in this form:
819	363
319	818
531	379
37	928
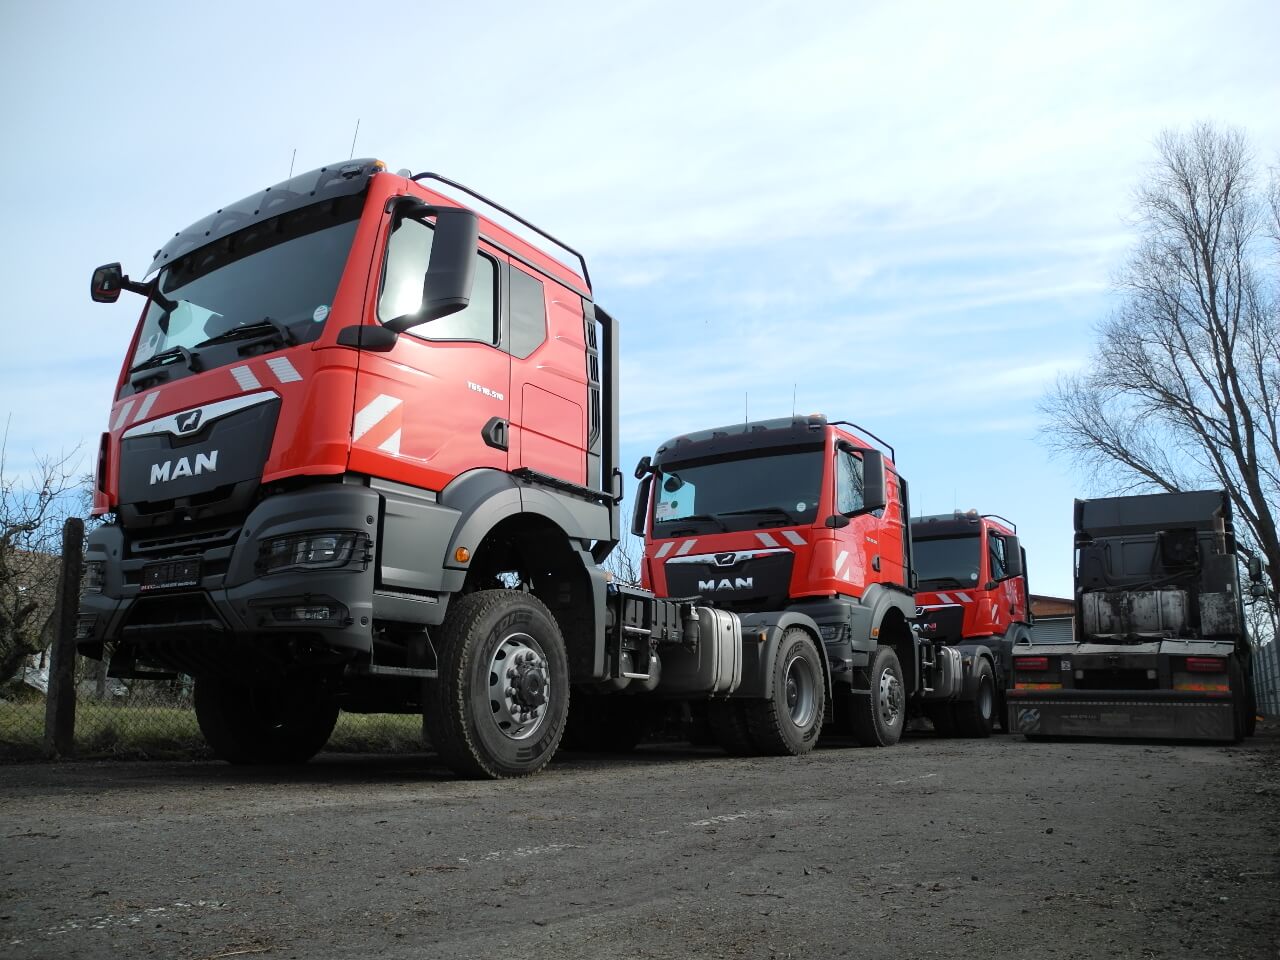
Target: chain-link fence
155	719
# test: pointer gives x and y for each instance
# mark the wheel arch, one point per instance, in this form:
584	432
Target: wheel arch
759	655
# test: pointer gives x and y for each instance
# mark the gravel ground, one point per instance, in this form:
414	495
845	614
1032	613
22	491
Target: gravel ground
934	848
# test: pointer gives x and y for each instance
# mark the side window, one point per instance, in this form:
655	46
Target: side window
995	551
848	482
528	313
407	256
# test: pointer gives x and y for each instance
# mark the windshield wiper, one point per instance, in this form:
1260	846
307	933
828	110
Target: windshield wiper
773	511
165	357
697	516
263	328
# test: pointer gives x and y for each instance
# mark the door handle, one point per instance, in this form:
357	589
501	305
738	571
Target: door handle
495	433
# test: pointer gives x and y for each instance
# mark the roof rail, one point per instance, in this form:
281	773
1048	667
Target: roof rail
995	516
514	216
849	423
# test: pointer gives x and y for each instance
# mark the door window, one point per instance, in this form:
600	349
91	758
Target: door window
995	551
848	483
528	313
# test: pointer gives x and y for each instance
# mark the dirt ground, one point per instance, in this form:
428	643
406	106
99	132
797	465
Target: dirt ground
933	848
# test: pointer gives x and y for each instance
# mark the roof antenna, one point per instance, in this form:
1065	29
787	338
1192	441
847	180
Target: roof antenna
353	138
793	401
291	160
746	416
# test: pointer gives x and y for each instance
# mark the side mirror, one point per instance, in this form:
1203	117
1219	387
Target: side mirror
645	466
1012	556
107	282
446	287
641	509
1258	590
874	492
1255	569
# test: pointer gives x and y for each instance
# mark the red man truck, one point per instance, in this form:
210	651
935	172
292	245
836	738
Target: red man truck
801	524
971	588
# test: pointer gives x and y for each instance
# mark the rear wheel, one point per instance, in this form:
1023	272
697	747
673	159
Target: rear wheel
264	721
878	719
975	717
498	707
729	728
943	718
789	722
604	723
1239	700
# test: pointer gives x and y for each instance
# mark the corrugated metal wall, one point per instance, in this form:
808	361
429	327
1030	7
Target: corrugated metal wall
1052	630
1266	678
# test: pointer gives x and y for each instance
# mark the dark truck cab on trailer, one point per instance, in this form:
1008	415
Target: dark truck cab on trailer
1160	647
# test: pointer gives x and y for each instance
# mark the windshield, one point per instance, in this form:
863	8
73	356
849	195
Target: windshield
947	561
775	490
286	269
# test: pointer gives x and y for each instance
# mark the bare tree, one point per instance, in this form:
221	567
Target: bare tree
32	510
1183	390
625	559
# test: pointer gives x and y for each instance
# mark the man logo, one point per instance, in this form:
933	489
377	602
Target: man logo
738	583
189	421
183	467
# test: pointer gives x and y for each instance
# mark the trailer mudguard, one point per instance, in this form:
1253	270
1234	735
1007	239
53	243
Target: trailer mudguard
761	638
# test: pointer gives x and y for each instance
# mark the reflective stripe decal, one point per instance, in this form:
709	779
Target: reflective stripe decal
840	559
945	598
122	415
391	444
664	550
965	598
147	403
767	540
284	370
795	538
373	413
245	378
685	547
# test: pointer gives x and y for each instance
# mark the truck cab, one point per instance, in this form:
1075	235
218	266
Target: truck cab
803	521
971	588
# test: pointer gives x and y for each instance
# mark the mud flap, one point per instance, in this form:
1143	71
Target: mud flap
1137	718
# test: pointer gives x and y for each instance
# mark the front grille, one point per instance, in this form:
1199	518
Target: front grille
185	542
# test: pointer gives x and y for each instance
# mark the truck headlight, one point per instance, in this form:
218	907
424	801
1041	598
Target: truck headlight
95	575
309	551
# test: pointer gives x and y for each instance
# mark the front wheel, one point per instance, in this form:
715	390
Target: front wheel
878	719
264	721
975	717
498	705
789	722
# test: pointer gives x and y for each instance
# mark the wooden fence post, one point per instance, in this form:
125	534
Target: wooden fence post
60	705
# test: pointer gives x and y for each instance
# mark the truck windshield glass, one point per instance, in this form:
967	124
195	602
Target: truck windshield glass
286	269
775	490
947	561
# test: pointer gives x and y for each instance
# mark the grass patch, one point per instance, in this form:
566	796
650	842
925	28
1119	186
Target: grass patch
137	732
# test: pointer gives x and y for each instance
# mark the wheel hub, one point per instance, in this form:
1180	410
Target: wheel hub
891	698
801	693
519	686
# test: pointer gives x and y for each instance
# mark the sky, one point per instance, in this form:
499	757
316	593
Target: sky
907	215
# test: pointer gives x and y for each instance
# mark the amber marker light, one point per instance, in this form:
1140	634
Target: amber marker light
462	554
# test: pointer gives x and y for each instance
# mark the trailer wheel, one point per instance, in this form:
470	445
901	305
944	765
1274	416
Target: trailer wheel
878	719
729	728
975	717
789	722
498	707
264	722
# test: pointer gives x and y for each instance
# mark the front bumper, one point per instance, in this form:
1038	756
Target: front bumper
233	599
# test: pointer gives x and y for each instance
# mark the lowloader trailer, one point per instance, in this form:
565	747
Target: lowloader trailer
1160	649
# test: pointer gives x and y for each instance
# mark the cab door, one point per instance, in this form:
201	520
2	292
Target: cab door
437	403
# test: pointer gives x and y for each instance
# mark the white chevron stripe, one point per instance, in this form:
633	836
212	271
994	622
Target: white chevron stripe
841	557
147	403
945	598
664	550
284	370
767	540
964	598
389	445
794	537
373	413
685	547
123	415
245	378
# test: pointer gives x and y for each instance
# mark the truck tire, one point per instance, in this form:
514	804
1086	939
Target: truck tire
975	717
790	722
878	719
498	706
264	722
729	728
1239	700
